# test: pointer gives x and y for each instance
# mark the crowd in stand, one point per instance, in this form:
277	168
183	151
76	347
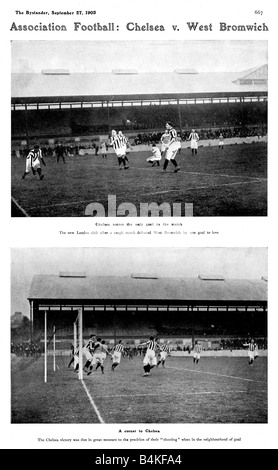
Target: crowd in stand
26	349
148	138
205	134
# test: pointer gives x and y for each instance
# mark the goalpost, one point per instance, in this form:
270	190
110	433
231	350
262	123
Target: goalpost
46	347
78	340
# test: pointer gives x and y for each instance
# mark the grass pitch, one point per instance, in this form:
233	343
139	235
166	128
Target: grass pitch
228	182
217	390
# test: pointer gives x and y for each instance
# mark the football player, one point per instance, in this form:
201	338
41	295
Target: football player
171	148
33	162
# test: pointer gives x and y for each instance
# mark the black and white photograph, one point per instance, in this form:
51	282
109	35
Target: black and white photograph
130	336
144	337
185	121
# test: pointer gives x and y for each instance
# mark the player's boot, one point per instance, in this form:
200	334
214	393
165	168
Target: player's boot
176	169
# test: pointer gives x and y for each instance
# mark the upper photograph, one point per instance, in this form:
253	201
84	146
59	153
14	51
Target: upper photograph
139	128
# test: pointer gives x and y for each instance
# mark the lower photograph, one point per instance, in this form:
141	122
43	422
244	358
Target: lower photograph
139	335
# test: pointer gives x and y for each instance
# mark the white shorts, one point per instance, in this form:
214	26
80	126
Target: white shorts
121	151
154	159
251	355
163	355
197	356
221	142
35	165
150	358
98	358
194	144
117	357
87	354
171	151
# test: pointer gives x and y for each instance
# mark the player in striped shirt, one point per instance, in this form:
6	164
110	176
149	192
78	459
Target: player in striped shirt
126	143
197	352
164	353
171	148
117	354
252	351
150	360
33	162
119	145
194	137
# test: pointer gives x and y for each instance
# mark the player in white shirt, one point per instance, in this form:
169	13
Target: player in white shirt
194	137
221	141
197	352
164	140
33	162
155	158
99	356
103	149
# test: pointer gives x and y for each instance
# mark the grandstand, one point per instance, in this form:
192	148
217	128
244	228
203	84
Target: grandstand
210	308
59	104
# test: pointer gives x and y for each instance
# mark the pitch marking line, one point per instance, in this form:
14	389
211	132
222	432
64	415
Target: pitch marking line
19	207
184	393
218	375
93	403
254	178
197	188
62	204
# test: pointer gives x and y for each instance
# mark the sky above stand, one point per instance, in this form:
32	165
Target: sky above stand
145	56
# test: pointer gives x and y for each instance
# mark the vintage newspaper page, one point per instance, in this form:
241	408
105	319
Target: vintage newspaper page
138	241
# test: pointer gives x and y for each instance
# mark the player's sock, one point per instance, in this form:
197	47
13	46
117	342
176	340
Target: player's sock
165	164
174	162
71	361
159	362
102	369
24	174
